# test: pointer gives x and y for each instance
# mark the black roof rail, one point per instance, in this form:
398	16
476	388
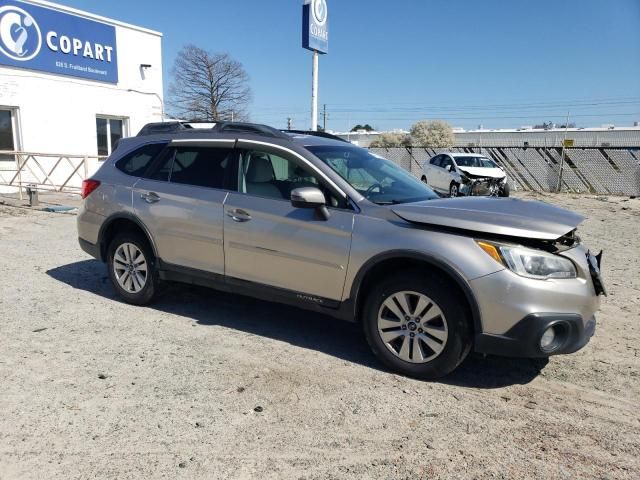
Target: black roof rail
316	134
256	128
218	127
163	127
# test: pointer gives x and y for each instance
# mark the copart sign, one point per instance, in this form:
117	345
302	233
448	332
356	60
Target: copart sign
53	41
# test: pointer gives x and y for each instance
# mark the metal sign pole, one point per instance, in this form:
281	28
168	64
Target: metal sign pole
314	93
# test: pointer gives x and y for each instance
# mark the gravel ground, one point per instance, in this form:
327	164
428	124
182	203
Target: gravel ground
207	385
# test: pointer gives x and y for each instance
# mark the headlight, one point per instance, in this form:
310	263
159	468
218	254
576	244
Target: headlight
528	262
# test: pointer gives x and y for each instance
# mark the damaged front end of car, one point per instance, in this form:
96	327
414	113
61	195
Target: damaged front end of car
477	185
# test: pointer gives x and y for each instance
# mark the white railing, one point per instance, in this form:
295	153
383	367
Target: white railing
46	171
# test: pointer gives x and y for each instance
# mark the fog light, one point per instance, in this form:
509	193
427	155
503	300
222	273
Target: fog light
548	338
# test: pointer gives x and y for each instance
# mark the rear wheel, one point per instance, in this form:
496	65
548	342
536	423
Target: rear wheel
417	326
424	180
454	189
132	268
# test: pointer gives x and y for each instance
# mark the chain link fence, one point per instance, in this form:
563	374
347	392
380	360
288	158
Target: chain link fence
606	171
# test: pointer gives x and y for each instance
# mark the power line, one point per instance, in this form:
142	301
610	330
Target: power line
443	105
488	117
418	109
489	111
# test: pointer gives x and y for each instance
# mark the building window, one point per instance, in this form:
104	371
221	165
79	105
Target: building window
8	132
109	130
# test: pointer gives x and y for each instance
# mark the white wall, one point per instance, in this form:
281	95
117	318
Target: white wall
57	114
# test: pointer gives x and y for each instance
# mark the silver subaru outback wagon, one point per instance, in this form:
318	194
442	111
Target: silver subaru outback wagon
313	221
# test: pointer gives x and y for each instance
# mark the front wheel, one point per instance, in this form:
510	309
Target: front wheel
505	191
417	326
454	189
132	268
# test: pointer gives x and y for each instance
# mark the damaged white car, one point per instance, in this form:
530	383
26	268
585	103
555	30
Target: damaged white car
465	174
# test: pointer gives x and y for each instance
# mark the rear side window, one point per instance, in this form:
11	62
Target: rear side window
201	166
436	160
137	162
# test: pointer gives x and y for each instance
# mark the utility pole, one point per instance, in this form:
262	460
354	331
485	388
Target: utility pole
289	123
324	117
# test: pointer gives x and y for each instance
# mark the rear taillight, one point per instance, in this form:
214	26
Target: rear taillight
88	186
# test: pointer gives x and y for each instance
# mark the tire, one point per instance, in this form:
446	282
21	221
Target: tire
424	180
128	280
454	320
454	189
505	191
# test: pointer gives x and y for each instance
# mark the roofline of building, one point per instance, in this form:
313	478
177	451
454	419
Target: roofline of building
554	130
91	16
511	130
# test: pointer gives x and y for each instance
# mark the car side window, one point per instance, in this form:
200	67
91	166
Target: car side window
200	166
268	175
446	161
137	162
435	161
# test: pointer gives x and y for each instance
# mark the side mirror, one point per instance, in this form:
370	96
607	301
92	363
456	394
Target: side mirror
310	197
449	168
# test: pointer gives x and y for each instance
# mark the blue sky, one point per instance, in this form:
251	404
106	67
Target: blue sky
498	63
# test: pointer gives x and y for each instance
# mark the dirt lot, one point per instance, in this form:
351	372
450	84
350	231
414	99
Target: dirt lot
206	385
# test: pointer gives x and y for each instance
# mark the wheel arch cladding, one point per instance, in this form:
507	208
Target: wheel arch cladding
122	223
388	263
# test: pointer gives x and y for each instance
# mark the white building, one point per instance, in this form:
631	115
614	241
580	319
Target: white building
72	82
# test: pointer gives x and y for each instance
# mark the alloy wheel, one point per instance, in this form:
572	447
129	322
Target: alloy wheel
412	327
130	268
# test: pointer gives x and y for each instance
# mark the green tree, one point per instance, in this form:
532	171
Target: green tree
433	134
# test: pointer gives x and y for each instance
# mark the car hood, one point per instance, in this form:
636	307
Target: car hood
483	172
498	216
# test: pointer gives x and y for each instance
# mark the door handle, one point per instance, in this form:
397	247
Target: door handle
239	215
151	197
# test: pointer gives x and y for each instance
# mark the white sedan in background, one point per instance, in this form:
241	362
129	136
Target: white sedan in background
465	174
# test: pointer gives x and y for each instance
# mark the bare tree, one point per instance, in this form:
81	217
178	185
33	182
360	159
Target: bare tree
208	86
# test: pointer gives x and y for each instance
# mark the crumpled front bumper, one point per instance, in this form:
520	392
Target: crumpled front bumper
481	186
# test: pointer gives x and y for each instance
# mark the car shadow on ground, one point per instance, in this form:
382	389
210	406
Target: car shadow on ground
297	327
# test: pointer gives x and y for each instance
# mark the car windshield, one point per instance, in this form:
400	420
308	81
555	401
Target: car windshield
377	179
475	162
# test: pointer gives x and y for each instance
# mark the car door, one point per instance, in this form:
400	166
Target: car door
446	175
434	179
181	200
268	241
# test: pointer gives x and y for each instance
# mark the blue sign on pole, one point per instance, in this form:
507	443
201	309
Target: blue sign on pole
315	26
48	40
